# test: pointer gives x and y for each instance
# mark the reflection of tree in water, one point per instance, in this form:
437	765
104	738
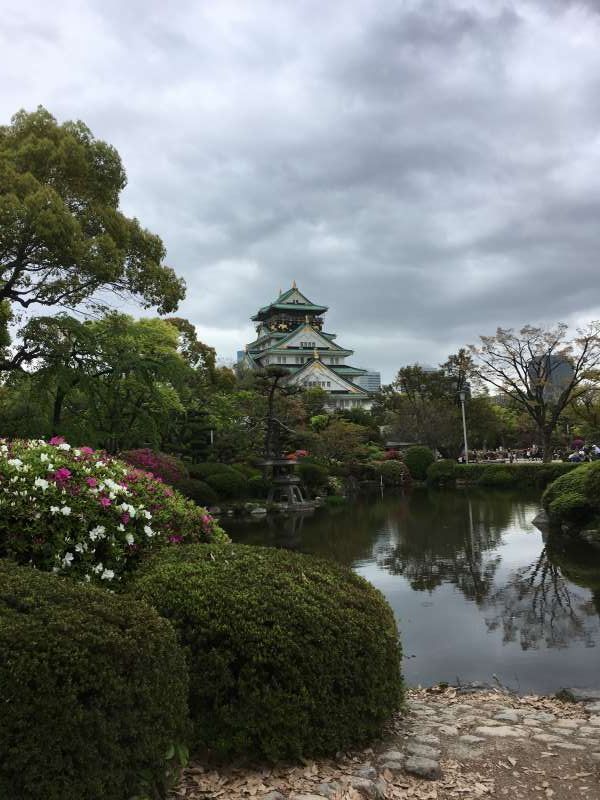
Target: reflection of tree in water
541	603
449	537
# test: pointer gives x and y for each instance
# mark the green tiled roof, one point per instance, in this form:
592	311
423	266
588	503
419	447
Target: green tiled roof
302	308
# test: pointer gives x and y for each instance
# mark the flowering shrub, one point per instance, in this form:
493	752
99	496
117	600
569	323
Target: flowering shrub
168	468
79	512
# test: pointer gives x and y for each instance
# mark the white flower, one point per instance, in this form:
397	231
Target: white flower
50	467
54	509
15	462
68	558
64	446
146	514
41	484
65	511
97	532
129	538
43	457
107	575
120	527
81	548
76	452
99	463
87	578
148	530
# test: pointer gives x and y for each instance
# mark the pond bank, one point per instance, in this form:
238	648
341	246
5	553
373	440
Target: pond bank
449	743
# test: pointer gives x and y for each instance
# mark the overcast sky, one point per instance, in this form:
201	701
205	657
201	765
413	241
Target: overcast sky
429	170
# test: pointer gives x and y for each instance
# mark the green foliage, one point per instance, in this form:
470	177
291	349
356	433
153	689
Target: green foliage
314	476
497	475
532	474
229	484
200	492
573	481
258	487
247	471
202	471
94	690
289	655
442	471
418	459
592	483
83	514
570	507
335	500
395	473
63	238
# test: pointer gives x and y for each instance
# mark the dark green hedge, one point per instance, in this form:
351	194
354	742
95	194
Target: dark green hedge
202	471
290	655
533	474
92	691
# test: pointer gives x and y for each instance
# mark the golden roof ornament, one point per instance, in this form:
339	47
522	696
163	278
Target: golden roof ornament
294	285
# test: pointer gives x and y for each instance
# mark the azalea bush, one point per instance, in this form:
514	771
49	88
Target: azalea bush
168	468
79	512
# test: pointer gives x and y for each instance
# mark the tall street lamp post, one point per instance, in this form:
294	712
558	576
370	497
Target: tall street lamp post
462	395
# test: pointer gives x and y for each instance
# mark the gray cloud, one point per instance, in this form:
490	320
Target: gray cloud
428	169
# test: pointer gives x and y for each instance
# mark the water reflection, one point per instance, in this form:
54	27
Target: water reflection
467	562
539	605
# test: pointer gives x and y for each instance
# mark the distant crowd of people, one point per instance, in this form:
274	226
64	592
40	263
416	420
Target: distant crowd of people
585	452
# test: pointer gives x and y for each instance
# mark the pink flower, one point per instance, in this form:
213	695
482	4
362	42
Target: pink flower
56	440
176	539
91	482
105	501
125	518
62	474
86	451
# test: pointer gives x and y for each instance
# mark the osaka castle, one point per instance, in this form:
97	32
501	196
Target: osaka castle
289	334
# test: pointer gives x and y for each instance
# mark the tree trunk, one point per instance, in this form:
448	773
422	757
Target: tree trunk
546	439
57	410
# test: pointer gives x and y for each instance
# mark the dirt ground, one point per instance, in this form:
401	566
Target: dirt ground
469	744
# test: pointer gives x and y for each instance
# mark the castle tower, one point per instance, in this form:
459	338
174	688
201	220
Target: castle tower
289	334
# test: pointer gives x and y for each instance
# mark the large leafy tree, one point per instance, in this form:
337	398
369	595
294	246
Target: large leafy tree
63	239
114	382
541	370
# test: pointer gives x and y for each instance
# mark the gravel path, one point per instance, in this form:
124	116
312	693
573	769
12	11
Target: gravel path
448	744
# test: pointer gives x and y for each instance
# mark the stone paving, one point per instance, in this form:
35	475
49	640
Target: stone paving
448	744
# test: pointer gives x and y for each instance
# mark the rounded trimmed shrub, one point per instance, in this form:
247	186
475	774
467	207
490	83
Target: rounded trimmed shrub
395	473
81	513
200	492
569	507
93	688
442	471
289	655
573	481
418	459
228	485
161	465
202	471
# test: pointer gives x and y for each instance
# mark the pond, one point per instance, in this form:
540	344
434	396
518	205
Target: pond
478	592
